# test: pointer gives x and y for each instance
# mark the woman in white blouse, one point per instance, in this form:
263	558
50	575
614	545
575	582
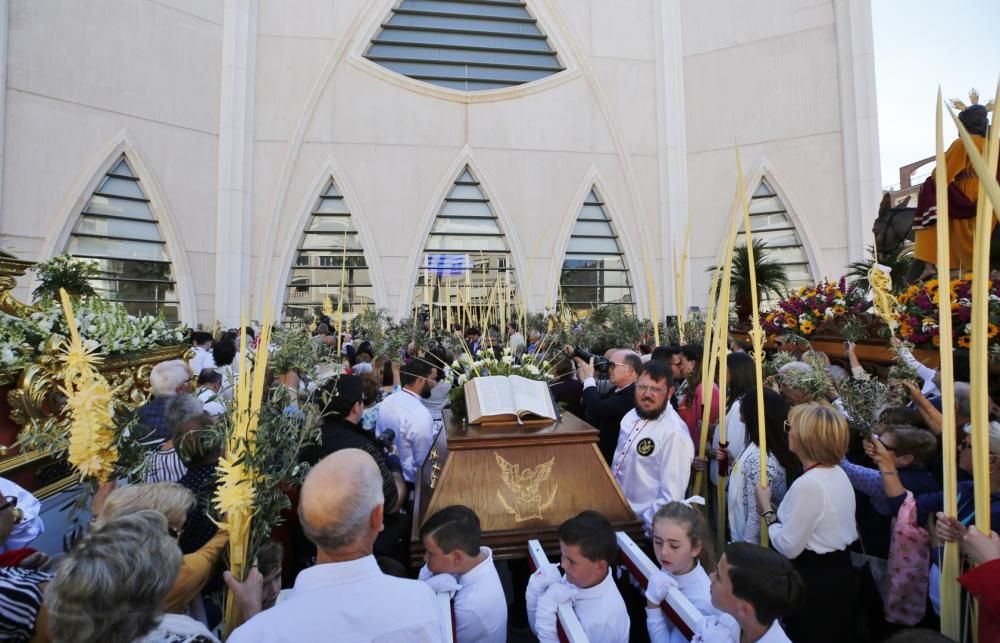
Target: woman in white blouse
815	525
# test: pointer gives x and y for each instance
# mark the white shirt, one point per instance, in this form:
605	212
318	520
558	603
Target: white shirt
697	588
736	435
652	480
600	608
725	629
405	413
816	514
210	400
926	373
202	359
31	525
351	602
480	605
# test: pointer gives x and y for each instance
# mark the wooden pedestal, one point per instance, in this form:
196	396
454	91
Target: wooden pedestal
522	482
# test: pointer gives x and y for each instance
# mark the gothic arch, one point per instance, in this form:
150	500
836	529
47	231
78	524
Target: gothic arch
76	199
285	250
465	159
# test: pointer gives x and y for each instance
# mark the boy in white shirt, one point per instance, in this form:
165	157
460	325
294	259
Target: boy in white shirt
753	586
589	548
455	562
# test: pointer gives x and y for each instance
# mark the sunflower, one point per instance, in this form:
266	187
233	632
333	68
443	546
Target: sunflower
965	341
807	327
936	340
991	331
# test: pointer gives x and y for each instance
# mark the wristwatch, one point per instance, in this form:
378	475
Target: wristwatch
18	515
769	516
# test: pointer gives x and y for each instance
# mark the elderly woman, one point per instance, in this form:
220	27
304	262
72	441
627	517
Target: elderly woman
174	502
110	588
814	525
165	464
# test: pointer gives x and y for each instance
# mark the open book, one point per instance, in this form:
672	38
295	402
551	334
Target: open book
507	399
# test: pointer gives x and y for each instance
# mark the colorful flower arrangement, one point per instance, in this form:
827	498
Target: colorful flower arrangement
805	311
918	312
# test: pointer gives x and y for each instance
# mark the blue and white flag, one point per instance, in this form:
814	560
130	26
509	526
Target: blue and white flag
447	265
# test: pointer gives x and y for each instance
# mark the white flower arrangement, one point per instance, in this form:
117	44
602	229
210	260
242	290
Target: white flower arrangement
105	327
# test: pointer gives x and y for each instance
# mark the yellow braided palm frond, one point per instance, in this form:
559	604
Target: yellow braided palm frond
89	405
882	297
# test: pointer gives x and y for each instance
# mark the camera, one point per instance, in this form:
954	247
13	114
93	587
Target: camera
601	364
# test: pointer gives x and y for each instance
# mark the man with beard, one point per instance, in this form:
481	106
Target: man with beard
406	415
652	463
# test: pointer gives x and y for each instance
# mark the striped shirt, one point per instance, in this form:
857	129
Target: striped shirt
20	599
164	466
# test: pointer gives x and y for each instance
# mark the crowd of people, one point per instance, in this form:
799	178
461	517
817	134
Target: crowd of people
842	544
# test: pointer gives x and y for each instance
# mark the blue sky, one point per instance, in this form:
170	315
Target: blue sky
920	44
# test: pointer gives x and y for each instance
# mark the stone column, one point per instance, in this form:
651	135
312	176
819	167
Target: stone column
4	28
235	168
858	122
671	129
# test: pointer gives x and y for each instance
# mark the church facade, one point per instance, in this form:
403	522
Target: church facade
220	155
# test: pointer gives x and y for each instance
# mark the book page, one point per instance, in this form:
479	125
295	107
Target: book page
531	396
494	396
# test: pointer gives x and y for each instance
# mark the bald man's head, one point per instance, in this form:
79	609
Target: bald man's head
338	501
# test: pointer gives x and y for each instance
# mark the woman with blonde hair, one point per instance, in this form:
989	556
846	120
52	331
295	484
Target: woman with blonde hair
174	502
814	525
110	588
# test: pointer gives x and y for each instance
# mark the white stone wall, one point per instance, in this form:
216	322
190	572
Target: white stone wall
654	98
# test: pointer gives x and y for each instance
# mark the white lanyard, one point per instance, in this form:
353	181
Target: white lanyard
633	434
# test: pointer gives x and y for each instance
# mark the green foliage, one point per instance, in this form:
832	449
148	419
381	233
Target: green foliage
776	361
898	260
864	400
609	327
771	276
298	351
66	272
285	426
694	331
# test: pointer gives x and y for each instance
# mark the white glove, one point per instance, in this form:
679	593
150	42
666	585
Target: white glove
543	578
546	613
443	583
659	584
425	573
717	629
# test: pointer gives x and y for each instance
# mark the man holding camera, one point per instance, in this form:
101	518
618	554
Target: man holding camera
606	411
342	430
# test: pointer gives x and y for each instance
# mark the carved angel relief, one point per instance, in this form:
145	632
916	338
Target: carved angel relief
524	487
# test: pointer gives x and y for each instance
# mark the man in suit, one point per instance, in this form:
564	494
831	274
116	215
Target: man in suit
606	411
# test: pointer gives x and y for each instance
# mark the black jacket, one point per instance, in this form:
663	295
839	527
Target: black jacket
336	434
606	413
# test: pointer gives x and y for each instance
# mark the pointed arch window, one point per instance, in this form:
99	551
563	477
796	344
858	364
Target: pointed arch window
770	222
330	251
466	259
118	230
469	45
594	270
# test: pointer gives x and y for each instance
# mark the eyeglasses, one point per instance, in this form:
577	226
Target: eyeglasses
646	388
788	426
175	532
